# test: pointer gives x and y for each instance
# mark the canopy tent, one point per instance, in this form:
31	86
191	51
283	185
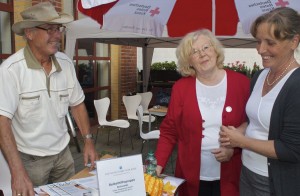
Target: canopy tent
89	28
221	17
186	15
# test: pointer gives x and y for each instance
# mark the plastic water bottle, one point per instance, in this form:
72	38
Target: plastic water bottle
151	163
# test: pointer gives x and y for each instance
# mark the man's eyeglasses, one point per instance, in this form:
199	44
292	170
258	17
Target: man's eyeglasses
197	52
53	30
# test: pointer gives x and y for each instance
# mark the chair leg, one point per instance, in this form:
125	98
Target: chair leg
131	126
130	139
108	134
142	145
137	129
148	145
77	144
122	135
120	142
95	141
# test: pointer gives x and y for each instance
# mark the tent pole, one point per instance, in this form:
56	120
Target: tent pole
213	14
147	60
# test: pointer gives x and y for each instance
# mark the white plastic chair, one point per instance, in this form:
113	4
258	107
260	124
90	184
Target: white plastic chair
150	135
131	104
102	106
5	177
146	99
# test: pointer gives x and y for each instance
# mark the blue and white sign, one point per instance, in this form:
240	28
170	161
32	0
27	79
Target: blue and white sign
121	176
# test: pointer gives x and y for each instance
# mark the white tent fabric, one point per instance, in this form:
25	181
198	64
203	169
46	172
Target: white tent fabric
248	10
139	16
93	3
89	28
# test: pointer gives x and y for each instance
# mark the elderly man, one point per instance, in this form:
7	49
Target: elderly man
37	85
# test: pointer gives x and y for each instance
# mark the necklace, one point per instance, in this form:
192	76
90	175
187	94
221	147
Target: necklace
270	84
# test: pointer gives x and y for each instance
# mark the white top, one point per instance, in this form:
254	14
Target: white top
211	100
259	110
37	103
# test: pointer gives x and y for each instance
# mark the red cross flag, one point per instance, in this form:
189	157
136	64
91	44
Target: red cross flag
140	16
248	10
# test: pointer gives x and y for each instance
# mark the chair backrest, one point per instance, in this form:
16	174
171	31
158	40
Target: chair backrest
102	106
5	177
131	104
146	99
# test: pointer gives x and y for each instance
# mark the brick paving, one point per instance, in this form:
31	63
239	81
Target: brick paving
113	147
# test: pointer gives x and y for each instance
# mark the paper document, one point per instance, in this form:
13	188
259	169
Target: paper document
171	184
63	189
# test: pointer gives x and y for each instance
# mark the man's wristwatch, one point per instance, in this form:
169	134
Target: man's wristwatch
88	136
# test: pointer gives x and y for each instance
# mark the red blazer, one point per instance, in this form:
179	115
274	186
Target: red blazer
183	126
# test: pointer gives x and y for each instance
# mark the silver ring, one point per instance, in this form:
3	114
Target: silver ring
19	194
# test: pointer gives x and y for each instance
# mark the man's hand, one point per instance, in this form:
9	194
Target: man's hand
89	153
21	184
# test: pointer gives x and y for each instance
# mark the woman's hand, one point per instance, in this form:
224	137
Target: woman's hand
231	137
223	154
158	170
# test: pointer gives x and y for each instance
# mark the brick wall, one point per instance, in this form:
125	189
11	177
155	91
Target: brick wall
128	73
19	6
56	3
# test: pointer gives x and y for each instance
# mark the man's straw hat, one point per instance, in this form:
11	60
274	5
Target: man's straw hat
39	14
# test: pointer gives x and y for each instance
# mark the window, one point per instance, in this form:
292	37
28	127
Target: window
93	66
6	38
92	62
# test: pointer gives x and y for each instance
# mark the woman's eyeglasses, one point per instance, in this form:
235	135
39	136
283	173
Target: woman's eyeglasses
197	52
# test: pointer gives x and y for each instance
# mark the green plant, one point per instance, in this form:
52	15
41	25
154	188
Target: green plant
237	66
164	66
242	68
255	67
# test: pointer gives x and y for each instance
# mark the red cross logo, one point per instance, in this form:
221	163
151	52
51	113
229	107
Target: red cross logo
282	3
155	11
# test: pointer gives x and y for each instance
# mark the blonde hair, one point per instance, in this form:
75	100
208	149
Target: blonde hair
184	50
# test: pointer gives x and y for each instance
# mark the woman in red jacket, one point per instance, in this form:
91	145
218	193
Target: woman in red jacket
206	97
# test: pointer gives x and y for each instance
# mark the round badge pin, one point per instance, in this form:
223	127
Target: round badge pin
228	109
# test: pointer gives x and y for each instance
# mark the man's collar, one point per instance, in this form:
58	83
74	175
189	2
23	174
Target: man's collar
32	62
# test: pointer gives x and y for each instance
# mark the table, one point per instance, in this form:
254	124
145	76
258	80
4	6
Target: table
86	171
157	111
